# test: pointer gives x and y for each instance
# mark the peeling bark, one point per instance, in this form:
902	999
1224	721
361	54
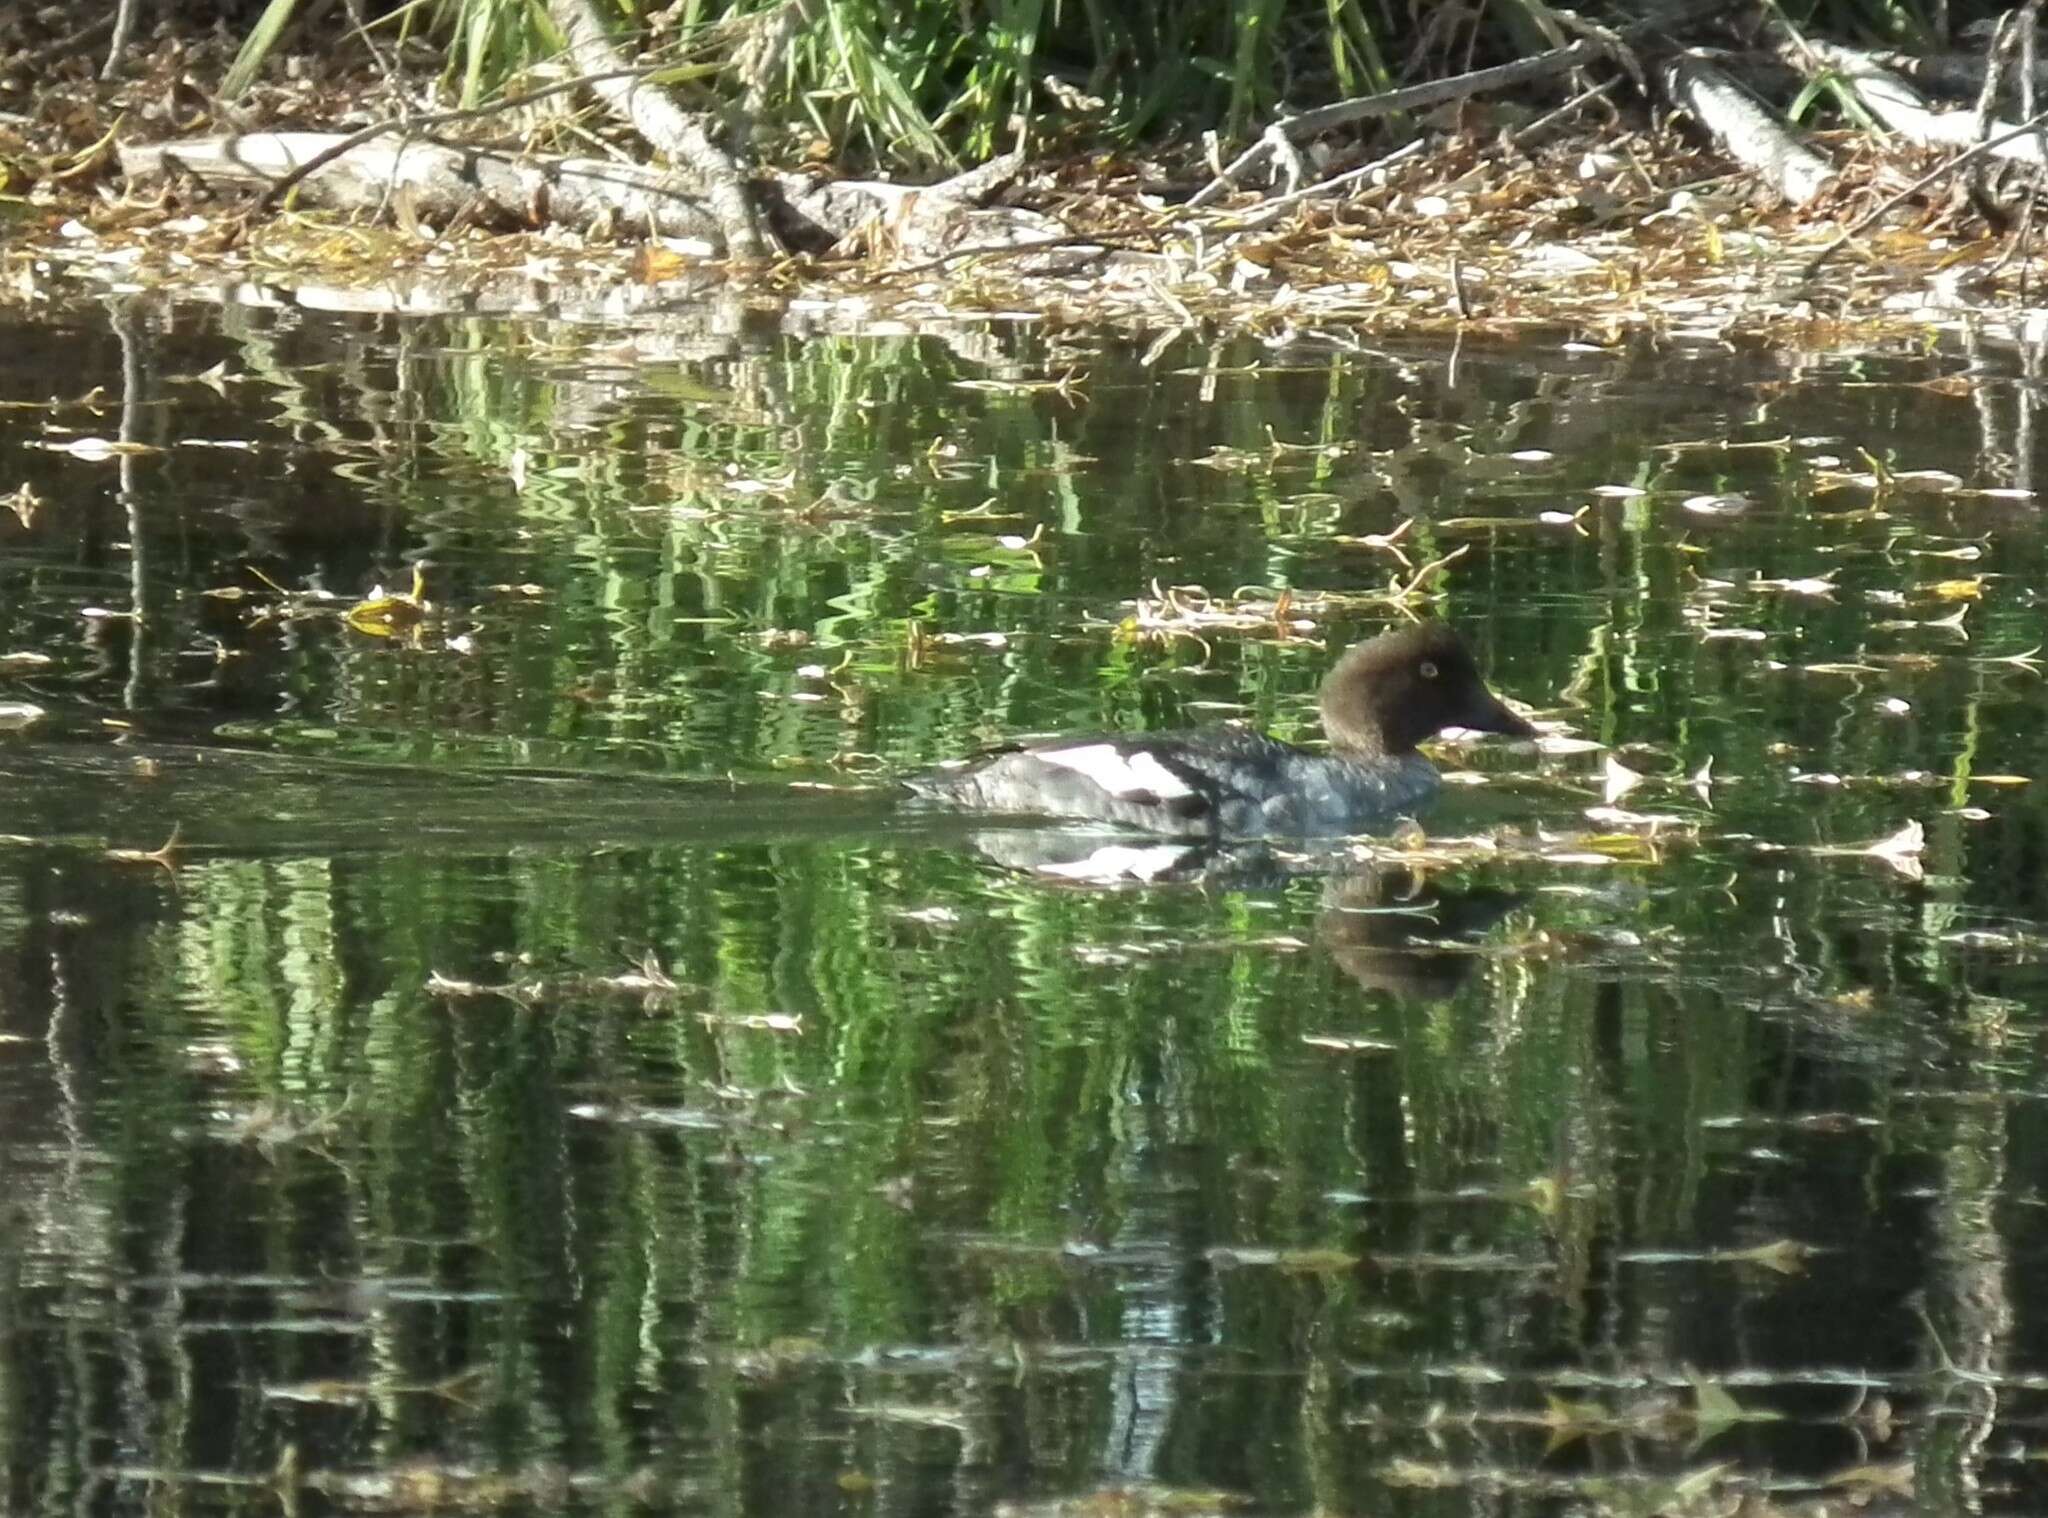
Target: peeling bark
1747	132
913	223
440	181
666	127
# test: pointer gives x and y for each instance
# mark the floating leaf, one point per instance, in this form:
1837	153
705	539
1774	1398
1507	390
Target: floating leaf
1618	780
1569	1422
1302	1261
1869	1480
1715	1410
1419	1475
24	503
96	449
165	855
1901	848
389	616
1812	585
1344	1045
384	616
327	1393
1715	505
1927	481
922	1415
1786	1257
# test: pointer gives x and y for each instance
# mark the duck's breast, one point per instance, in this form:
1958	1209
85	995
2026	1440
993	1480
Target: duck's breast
1323	796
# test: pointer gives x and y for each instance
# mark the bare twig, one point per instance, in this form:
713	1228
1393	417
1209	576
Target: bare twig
124	30
360	25
1415	98
665	125
1008	249
1549	119
1269	211
1400	593
63	47
1864	223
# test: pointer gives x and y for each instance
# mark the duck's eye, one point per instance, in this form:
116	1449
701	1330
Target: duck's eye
1428	669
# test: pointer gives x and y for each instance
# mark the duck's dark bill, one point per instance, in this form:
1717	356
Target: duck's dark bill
1489	714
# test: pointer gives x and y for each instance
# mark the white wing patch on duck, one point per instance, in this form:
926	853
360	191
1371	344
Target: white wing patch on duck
1120	774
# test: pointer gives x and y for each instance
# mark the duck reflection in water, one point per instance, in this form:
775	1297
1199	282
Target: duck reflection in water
1388	928
1390	931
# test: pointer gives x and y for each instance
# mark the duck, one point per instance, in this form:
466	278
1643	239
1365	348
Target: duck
1379	701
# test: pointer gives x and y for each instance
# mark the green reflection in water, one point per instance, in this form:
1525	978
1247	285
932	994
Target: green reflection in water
514	1091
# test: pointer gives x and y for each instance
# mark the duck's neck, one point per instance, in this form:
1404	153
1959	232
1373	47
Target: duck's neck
1360	742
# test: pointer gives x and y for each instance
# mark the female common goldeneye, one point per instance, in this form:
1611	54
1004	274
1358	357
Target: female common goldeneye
1382	699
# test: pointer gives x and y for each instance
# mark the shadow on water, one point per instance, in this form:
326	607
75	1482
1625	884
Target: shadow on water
229	801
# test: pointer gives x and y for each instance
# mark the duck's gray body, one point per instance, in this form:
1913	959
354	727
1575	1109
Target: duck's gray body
1381	699
1227	781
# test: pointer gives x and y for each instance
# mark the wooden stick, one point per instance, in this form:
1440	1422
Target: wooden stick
1415	98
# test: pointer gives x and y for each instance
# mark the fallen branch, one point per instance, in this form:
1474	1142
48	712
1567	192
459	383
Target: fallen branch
1417	97
1950	166
1269	211
666	126
338	146
359	174
1959	75
945	221
1745	130
442	181
1901	108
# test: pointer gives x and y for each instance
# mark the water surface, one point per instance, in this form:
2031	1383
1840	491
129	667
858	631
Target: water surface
547	1071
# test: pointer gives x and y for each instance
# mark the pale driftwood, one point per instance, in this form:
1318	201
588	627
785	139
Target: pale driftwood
1902	109
1747	132
666	127
124	31
440	182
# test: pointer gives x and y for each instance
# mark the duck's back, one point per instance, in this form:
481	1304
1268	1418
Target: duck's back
1223	780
